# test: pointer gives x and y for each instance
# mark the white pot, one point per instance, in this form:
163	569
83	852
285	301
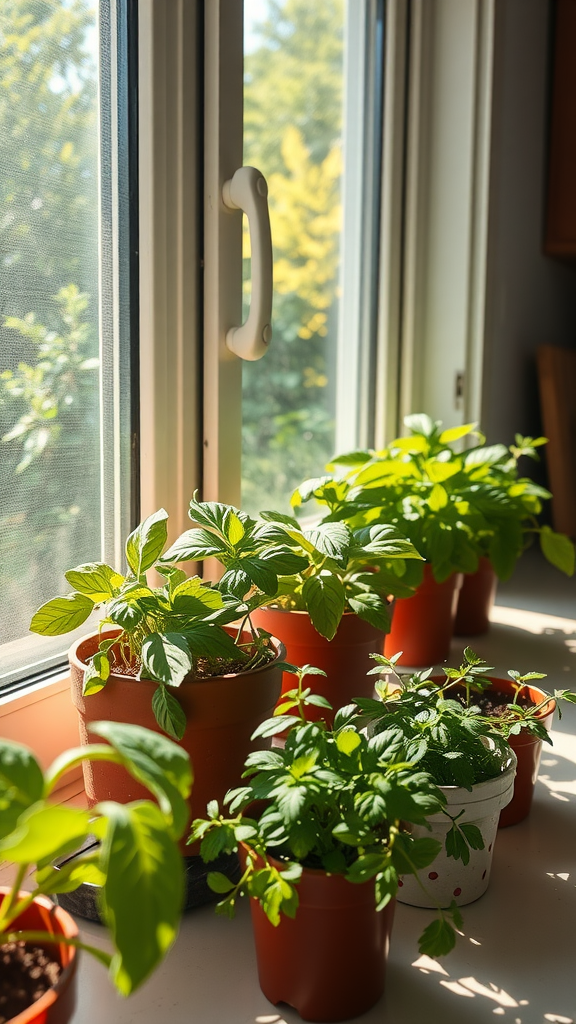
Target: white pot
447	879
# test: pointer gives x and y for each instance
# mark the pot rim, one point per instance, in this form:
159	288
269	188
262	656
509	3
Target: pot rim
69	928
82	665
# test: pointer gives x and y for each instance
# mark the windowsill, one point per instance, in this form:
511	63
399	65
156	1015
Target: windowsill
515	960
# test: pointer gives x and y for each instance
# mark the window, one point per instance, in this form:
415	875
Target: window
66	409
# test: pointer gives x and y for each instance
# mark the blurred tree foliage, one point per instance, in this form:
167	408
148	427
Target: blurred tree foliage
292	132
49	436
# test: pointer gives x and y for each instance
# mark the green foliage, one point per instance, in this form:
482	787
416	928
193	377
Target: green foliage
331	800
137	863
161	632
453	506
325	570
49	452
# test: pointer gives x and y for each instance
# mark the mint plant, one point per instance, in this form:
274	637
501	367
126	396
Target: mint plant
324	570
161	633
137	862
454	506
333	800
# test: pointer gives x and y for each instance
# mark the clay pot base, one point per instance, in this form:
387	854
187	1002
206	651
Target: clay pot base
83	902
27	972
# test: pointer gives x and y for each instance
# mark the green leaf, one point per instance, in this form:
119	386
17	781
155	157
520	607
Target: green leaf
96	580
194	545
332	539
325	599
261	575
194	590
386	886
218	839
61	615
166	658
473	836
96	675
211	641
438	498
218	882
125	612
45	831
168	713
437	939
558	549
21	783
455	433
155	761
366	866
233	528
419	423
347	741
69	876
144	890
370	607
145	544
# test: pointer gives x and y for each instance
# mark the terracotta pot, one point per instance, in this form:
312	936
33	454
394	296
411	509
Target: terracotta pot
221	712
528	750
57	1005
447	879
423	624
329	961
345	659
475	600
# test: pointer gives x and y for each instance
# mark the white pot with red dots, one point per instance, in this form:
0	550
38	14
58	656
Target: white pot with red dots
447	879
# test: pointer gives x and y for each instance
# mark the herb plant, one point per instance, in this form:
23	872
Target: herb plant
333	800
324	570
454	506
137	863
161	633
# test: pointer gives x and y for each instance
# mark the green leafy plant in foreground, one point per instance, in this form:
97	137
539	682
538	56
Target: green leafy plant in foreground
324	570
161	633
137	862
455	507
333	800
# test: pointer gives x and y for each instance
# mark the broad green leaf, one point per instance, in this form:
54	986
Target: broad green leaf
386	886
144	890
207	597
21	783
45	831
438	498
473	836
485	456
96	580
356	458
420	423
332	539
283	562
437	939
325	599
218	882
217	840
366	866
558	549
125	611
157	762
194	545
168	713
95	675
146	542
70	875
261	575
166	658
347	741
438	472
61	615
455	433
370	607
210	640
234	529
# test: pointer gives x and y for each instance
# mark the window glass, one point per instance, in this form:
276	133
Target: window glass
58	330
293	99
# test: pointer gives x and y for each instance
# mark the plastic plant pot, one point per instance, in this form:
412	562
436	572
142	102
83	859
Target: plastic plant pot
448	879
475	601
57	1005
345	659
422	625
329	961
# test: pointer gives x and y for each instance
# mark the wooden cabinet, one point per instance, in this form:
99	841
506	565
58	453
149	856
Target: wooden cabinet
560	233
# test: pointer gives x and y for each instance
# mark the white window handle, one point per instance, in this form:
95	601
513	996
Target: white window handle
247	190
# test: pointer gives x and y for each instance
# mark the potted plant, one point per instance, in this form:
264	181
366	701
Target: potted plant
456	508
468	758
137	866
325	592
165	658
323	828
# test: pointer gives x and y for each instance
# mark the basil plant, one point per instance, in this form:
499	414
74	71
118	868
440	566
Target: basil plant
455	506
324	570
136	862
333	800
160	633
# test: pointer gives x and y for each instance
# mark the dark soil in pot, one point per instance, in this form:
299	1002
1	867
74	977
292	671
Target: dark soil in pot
26	973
